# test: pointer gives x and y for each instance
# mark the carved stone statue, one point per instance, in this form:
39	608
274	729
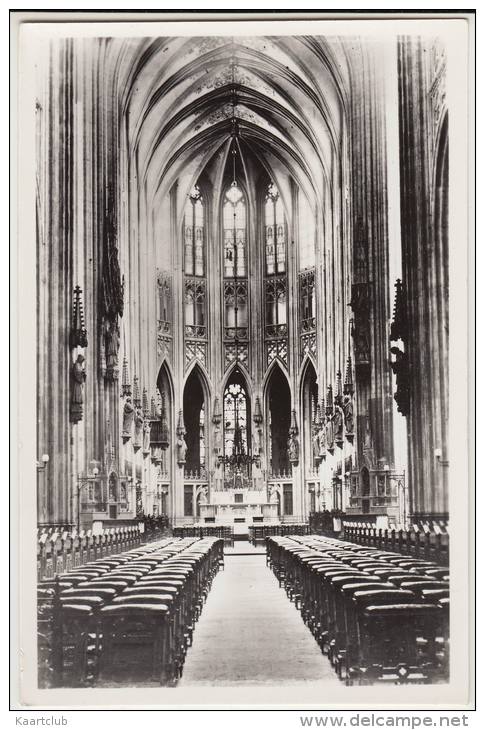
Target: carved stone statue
329	434
338	426
256	445
348	408
146	436
293	449
138	428
273	495
112	488
322	440
316	444
78	379
203	496
217	441
362	348
128	415
112	349
181	449
400	367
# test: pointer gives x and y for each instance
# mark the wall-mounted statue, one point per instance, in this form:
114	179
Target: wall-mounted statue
137	441
338	426
217	440
78	378
257	443
146	437
293	449
203	496
400	367
181	449
128	416
113	488
348	409
329	434
273	495
316	444
112	349
322	441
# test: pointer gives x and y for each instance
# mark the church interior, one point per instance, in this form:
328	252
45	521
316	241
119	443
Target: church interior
242	359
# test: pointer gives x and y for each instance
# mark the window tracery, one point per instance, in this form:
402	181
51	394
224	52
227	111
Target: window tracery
235	244
195	295
307	300
194	234
235	265
275	232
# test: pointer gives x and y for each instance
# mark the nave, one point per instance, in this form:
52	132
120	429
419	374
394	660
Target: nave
242	327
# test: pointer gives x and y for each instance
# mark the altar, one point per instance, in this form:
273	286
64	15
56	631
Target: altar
240	507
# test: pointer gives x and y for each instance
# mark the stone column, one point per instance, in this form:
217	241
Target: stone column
424	224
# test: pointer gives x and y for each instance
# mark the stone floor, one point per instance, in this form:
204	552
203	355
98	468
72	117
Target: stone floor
250	633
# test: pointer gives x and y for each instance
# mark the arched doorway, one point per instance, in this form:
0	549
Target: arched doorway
195	422
278	409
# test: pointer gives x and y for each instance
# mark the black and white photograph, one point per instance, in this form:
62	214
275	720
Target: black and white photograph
243	315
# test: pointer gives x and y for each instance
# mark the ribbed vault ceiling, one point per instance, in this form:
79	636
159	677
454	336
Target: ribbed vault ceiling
183	98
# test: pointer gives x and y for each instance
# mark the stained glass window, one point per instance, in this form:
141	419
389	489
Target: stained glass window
235	421
307	300
276	307
164	303
234	222
195	308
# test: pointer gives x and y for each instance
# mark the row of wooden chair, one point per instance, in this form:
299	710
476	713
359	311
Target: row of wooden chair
128	618
377	615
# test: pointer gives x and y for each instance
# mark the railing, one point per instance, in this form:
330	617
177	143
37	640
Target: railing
164	327
226	532
276	330
280	476
416	541
198	331
308	325
236	333
196	475
259	533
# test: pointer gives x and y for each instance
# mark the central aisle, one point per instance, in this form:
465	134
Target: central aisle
249	632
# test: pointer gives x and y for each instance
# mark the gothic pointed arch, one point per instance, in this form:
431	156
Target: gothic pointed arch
276	364
307	362
277	405
165	378
310	416
238	368
197	368
195	420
